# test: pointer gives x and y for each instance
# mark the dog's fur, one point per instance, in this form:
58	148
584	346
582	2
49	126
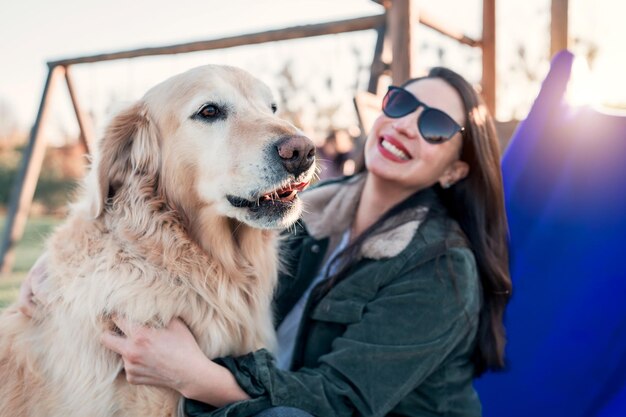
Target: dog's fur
152	238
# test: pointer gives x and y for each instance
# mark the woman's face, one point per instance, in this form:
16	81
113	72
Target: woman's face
396	152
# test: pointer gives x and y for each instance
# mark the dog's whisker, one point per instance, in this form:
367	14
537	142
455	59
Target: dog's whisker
237	228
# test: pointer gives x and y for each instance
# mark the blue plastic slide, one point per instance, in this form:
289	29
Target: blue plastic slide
565	185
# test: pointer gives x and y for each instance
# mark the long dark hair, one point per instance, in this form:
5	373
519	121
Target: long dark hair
477	204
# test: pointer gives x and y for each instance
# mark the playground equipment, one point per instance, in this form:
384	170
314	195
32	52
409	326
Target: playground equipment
564	177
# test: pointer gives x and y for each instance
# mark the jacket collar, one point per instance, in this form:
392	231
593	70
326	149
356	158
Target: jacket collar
329	209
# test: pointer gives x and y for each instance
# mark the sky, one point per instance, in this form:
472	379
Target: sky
33	32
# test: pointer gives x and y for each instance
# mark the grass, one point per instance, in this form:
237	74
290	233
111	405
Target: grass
9	287
28	249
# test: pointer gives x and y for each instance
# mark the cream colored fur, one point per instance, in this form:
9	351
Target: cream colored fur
153	238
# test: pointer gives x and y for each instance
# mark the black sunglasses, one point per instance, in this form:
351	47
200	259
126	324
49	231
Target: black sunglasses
434	125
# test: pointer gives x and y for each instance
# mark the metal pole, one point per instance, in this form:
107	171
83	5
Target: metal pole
558	26
378	66
402	19
84	122
26	180
489	80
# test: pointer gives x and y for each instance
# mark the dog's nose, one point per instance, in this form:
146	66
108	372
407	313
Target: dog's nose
297	154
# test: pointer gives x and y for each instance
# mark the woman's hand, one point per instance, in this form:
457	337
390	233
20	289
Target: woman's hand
167	357
170	357
30	290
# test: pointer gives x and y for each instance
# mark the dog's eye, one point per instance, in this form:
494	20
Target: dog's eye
209	111
274	107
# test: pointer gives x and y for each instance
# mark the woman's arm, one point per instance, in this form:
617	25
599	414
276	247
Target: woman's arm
170	357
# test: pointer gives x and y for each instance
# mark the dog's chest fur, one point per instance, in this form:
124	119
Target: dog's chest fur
102	267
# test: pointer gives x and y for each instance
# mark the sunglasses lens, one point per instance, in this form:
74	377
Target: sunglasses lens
435	126
398	103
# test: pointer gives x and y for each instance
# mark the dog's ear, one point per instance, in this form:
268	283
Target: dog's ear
129	150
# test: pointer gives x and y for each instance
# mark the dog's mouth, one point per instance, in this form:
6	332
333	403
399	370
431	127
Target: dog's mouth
285	195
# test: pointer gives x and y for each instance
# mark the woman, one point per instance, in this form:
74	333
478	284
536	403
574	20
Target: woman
395	285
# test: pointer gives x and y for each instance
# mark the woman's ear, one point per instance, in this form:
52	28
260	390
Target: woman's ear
455	173
129	148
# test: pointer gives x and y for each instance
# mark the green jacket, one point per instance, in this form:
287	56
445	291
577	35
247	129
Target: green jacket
394	338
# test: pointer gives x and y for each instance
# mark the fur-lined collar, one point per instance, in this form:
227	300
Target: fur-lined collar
329	210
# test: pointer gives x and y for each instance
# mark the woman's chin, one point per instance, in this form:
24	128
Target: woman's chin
384	172
384	167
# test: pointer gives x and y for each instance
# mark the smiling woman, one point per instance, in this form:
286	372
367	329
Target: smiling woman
404	162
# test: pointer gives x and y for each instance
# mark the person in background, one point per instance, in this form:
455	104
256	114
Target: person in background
395	283
334	156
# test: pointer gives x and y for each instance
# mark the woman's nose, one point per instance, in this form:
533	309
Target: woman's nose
407	125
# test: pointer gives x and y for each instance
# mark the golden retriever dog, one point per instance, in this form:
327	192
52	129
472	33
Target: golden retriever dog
178	218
